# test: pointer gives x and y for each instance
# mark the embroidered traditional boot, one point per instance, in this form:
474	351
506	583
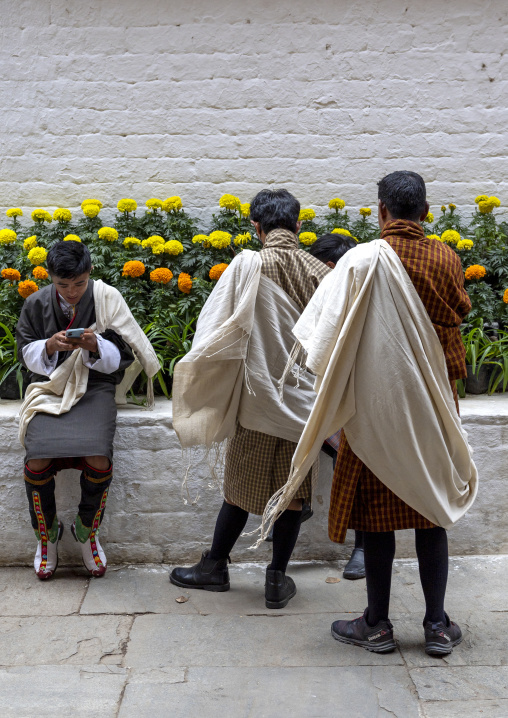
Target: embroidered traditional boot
85	529
40	489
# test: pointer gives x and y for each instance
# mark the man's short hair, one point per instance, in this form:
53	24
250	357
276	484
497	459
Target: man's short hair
404	194
69	259
275	209
331	247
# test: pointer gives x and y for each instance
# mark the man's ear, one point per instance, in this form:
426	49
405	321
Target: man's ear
298	227
422	216
257	227
331	265
383	210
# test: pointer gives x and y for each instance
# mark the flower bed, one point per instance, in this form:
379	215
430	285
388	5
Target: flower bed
165	267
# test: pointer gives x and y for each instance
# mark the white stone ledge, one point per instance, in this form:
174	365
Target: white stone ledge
147	520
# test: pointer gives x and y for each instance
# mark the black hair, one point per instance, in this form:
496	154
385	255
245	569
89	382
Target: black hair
404	195
331	247
69	259
275	209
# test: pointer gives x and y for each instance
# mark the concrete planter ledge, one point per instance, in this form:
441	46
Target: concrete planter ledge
147	520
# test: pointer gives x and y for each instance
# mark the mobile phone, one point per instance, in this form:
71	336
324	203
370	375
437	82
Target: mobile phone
74	333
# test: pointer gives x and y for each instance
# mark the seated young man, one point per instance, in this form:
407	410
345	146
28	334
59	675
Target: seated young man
81	438
329	249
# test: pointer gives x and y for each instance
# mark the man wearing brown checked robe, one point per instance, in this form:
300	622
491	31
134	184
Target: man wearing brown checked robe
258	464
358	499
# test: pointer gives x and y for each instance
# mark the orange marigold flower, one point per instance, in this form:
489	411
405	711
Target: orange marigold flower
505	296
27	288
475	271
133	269
184	282
40	273
161	275
217	270
11	274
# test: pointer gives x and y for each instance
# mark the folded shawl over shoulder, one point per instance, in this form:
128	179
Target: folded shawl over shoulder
68	383
381	375
242	343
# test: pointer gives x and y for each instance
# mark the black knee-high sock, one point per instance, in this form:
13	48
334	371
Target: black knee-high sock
379	548
230	524
432	552
285	535
358	539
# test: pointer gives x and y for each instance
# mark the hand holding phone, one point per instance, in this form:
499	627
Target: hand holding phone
74	333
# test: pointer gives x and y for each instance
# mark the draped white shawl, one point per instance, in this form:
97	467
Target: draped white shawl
381	376
69	381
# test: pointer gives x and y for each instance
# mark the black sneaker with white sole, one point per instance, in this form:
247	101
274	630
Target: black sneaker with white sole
440	638
378	639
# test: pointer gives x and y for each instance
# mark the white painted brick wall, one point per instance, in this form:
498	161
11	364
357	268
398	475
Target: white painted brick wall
113	98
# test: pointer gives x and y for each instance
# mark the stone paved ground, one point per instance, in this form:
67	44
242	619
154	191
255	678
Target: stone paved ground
123	646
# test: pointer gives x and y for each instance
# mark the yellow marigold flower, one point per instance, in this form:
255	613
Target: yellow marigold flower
7	236
307	238
434	236
37	255
465	244
184	282
365	211
71	238
200	238
245	209
219	239
481	198
91	210
133	269
86	202
30	242
172	204
339	230
505	296
217	270
475	271
27	288
14	212
40	273
306	215
153	203
157	248
173	247
229	201
450	236
485	206
452	206
40	215
62	215
443	208
161	275
108	233
11	274
131	241
127	205
152	241
336	203
429	218
242	238
494	201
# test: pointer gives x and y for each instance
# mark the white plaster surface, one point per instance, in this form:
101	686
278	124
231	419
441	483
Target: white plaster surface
147	520
122	98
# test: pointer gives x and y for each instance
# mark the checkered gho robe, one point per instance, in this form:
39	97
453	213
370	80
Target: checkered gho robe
257	465
358	499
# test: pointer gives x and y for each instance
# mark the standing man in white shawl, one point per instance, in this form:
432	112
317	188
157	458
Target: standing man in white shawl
226	388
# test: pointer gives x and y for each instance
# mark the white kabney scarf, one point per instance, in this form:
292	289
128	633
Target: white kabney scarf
69	381
381	376
242	343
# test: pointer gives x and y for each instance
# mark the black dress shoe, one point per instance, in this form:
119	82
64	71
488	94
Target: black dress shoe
208	574
279	589
355	567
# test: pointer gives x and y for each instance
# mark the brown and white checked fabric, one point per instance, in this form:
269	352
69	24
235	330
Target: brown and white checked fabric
358	499
257	465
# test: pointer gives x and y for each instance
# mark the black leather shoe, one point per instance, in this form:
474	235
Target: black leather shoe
355	567
279	589
440	638
208	574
